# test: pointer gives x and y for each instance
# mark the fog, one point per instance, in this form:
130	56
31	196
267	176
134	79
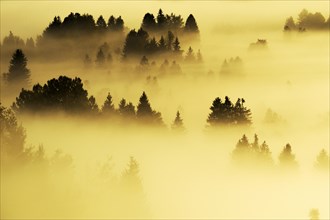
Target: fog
189	174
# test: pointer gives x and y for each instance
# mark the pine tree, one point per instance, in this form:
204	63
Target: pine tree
101	23
162	44
18	72
170	39
178	123
190	56
145	113
287	158
100	58
108	106
161	19
322	160
191	25
176	45
126	110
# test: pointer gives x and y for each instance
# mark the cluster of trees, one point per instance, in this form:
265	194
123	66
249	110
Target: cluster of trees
248	154
307	21
76	25
172	22
234	66
12	41
68	95
138	42
227	114
259	44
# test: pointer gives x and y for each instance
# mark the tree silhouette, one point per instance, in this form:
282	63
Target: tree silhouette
225	113
12	135
178	123
11	41
190	56
162	44
111	23
126	110
119	24
287	158
18	72
161	19
100	58
170	40
176	46
322	160
144	61
191	25
93	105
108	106
145	113
149	22
101	23
252	154
57	94
307	20
135	42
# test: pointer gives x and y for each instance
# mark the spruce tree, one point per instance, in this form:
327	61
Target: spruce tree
18	72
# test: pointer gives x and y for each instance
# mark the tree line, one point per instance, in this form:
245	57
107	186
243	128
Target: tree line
307	21
258	155
169	22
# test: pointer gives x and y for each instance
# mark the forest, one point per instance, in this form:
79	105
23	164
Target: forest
165	112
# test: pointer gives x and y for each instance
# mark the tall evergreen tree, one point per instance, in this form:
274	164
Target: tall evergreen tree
161	19
18	72
149	22
178	123
108	106
100	57
101	23
287	158
145	113
191	25
126	110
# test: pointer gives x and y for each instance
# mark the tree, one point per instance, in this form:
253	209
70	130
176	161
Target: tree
93	105
101	23
161	19
225	113
100	58
152	46
170	39
190	56
178	123
162	44
191	25
119	24
111	23
287	158
126	110
108	106
322	160
176	46
18	72
289	24
144	61
63	93
145	113
148	22
30	43
12	135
